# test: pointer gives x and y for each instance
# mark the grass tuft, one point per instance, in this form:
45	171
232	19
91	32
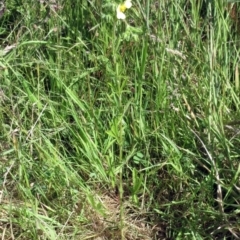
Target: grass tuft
119	129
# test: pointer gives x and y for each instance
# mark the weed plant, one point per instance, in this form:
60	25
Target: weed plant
119	128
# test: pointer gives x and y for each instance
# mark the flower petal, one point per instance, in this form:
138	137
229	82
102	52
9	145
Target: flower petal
120	15
128	3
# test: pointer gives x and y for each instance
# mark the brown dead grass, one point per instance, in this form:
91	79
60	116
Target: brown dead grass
108	227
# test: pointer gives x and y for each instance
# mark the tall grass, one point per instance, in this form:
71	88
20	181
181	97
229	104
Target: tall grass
116	129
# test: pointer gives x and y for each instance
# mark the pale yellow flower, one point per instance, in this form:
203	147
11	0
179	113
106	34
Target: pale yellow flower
122	8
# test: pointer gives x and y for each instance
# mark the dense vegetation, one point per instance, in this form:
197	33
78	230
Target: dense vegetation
119	129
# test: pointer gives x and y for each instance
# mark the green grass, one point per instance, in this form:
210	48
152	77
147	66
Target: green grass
116	129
